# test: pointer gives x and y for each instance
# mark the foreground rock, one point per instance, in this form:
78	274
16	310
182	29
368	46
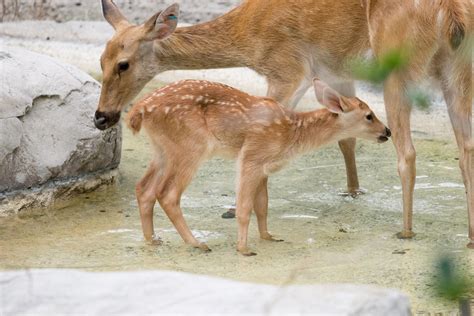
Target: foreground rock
46	292
46	128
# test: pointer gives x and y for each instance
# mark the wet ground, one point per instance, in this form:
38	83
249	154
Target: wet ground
328	238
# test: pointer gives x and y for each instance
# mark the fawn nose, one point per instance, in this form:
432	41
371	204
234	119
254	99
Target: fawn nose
104	120
388	132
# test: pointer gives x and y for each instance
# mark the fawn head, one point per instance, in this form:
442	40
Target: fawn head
128	62
355	117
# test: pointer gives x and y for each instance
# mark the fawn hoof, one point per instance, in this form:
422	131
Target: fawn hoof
353	193
271	238
406	234
203	247
154	241
470	245
229	214
246	252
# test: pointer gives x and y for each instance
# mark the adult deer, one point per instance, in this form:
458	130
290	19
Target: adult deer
291	41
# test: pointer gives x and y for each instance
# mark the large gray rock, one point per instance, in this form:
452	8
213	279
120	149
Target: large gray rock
46	126
49	292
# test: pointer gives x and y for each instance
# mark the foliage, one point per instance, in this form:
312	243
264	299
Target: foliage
377	70
449	282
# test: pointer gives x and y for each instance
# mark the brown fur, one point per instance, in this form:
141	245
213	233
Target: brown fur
291	41
191	121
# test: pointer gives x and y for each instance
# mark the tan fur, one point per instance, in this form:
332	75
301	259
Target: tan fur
291	41
191	121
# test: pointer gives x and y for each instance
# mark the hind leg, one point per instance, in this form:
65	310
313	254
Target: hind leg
260	206
458	95
172	185
146	197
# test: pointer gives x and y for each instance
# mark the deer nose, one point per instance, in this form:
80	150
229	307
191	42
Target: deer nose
388	132
100	120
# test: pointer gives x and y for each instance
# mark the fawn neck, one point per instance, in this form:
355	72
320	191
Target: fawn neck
204	46
317	128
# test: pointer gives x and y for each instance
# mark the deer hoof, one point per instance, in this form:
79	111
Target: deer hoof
406	234
203	247
154	241
470	245
354	193
271	238
247	253
229	214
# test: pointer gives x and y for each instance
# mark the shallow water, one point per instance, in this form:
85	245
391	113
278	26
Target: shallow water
328	238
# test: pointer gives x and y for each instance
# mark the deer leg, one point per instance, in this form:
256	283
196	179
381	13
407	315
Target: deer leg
260	205
398	113
249	181
145	193
172	185
459	101
286	93
347	146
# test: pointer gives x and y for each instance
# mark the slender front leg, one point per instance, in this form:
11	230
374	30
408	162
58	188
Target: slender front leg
459	101
288	93
398	113
249	181
347	146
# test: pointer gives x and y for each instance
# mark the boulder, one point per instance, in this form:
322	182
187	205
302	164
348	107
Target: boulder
47	292
46	123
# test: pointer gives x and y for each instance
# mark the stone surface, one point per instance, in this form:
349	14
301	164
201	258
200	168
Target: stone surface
138	11
46	292
46	127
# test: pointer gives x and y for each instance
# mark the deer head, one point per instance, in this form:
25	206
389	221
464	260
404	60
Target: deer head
128	62
354	115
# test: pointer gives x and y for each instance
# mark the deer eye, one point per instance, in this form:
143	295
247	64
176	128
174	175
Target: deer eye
123	66
370	117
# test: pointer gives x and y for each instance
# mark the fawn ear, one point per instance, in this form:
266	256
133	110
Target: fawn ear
328	97
162	24
113	15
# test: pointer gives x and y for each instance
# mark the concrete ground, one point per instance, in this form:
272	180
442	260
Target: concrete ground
328	238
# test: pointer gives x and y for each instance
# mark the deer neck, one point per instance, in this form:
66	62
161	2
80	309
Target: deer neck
204	46
316	129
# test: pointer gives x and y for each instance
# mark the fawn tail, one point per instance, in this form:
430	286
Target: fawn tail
135	118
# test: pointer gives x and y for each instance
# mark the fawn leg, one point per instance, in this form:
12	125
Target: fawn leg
249	181
146	197
288	94
398	113
179	172
260	205
169	197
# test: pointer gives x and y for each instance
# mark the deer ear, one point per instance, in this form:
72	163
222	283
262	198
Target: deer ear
113	15
328	97
162	24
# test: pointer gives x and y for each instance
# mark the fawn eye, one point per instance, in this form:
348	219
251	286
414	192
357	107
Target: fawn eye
370	117
123	66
